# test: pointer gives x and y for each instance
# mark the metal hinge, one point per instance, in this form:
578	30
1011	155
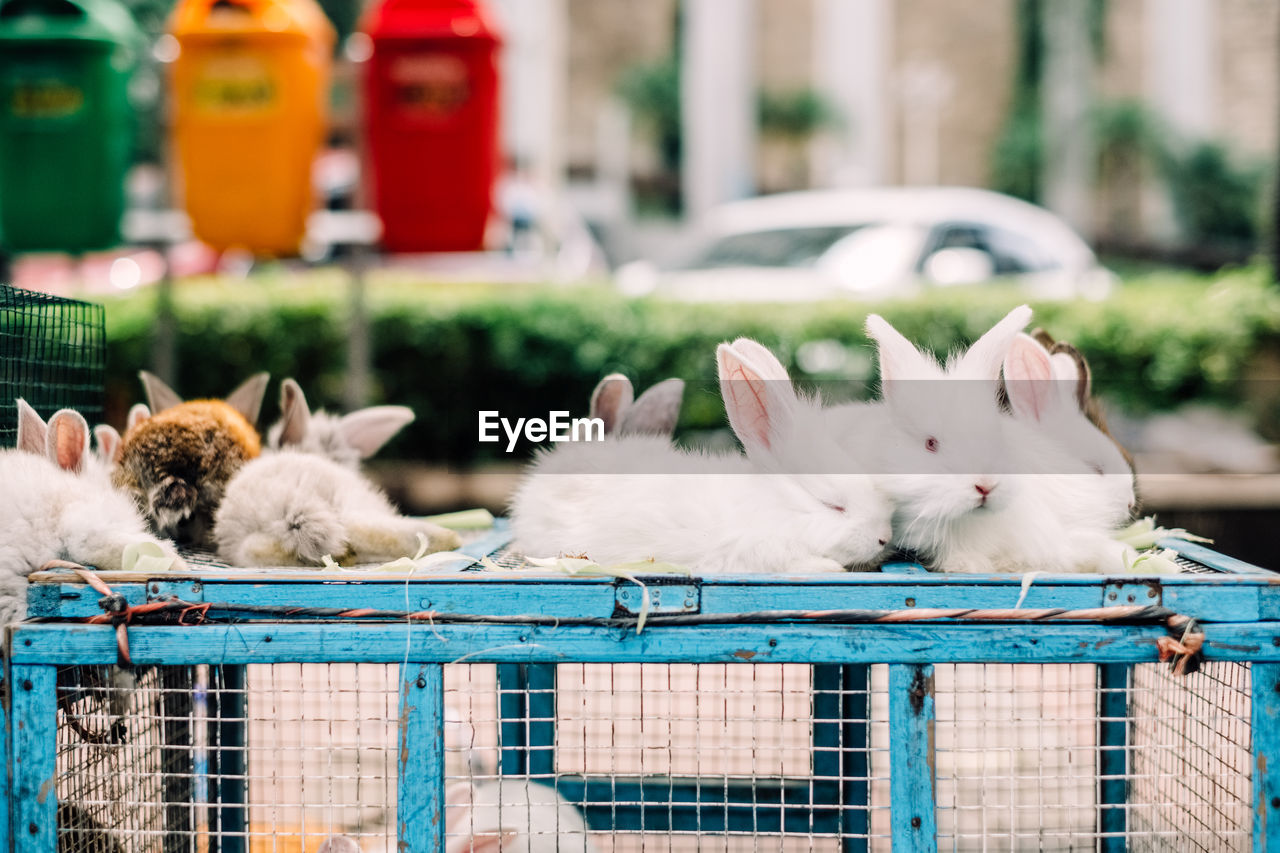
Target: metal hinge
1129	594
663	598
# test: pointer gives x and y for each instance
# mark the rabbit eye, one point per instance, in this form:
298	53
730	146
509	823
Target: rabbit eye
931	444
836	507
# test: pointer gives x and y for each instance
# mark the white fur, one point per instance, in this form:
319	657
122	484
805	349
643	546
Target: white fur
796	502
1044	508
47	513
513	815
290	508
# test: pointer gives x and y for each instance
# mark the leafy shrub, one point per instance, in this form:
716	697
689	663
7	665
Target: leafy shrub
449	352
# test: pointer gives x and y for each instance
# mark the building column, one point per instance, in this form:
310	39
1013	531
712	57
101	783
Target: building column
1180	85
718	103
852	46
1067	96
535	75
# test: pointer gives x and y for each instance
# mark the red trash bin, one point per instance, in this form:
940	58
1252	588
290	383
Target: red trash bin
431	122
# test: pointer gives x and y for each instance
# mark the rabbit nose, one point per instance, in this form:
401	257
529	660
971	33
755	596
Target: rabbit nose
985	487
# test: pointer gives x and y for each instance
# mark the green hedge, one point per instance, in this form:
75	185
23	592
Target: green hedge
448	351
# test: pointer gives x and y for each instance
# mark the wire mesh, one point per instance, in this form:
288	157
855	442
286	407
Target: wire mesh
52	354
631	758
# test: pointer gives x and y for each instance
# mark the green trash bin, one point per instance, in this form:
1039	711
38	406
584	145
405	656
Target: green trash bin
66	126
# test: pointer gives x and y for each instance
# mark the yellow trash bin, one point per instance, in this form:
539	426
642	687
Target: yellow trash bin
249	87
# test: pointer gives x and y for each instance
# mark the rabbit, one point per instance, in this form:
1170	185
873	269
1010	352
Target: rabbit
773	510
176	458
53	507
974	489
1051	389
343	438
512	815
655	413
305	499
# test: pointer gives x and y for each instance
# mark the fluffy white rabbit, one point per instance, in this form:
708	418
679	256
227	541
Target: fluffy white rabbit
1052	391
512	815
776	509
57	505
343	438
292	507
974	489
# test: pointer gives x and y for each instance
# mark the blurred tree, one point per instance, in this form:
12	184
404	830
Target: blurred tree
653	94
791	119
1018	157
1216	198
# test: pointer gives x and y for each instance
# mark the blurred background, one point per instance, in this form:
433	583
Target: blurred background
457	205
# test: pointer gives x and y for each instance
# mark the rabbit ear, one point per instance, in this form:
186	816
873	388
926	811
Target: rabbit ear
762	357
367	430
1043	338
985	358
1070	363
1028	377
68	440
31	429
247	398
759	409
159	395
295	415
898	357
137	414
656	412
108	442
610	401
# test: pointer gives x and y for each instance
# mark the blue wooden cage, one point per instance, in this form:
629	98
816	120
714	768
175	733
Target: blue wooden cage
750	713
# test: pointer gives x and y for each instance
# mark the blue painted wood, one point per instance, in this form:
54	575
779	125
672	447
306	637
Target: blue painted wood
420	811
1213	559
1211	598
912	820
691	804
1113	740
6	750
34	705
491	542
228	788
1266	757
388	643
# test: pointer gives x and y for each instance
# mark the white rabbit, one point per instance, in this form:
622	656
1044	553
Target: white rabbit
1052	391
512	815
777	509
343	438
49	512
974	489
292	507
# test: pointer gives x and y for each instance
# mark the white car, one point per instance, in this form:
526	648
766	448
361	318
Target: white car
872	244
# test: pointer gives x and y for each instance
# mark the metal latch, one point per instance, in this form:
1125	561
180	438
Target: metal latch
1121	594
664	598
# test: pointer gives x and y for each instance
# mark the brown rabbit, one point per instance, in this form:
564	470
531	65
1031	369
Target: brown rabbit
176	462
